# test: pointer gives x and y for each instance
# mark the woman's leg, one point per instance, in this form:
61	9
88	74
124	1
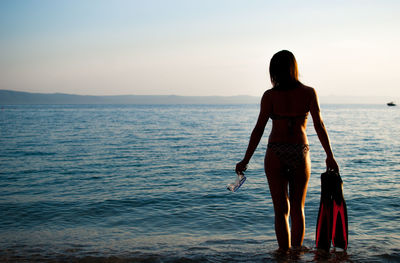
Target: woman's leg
278	187
297	192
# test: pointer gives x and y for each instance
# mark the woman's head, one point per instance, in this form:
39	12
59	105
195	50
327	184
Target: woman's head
283	69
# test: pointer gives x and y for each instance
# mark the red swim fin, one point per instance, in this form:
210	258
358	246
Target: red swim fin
339	220
324	226
323	233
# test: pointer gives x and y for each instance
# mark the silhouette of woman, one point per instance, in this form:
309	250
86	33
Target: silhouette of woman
287	161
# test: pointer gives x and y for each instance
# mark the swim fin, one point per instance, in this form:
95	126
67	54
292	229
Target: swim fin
339	215
332	225
323	234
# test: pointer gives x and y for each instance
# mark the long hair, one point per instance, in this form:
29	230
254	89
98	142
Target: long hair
283	70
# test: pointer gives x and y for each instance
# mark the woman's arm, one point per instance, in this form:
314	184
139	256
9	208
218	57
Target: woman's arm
322	132
257	131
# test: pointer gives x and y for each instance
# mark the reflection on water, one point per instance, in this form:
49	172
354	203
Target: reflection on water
147	183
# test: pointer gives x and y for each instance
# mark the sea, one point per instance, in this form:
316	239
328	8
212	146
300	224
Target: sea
147	183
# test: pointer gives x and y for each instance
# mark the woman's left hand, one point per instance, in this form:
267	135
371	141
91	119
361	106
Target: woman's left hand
241	166
331	164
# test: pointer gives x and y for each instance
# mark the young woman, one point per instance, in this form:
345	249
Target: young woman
287	161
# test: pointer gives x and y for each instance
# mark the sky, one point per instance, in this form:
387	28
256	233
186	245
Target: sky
197	47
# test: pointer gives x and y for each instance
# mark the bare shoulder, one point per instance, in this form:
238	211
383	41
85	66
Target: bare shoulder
268	92
308	89
266	101
309	92
267	96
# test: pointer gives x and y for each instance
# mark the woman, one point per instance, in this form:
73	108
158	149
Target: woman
287	161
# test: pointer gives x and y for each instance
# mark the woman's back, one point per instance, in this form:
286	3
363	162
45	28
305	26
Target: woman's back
289	110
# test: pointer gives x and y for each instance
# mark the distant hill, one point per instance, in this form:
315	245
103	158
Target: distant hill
8	97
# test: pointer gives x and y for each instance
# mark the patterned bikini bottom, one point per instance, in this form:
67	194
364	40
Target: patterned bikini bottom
291	155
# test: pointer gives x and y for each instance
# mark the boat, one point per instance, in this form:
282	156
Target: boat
391	103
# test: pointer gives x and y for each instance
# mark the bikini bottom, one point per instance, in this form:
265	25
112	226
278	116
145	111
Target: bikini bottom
291	155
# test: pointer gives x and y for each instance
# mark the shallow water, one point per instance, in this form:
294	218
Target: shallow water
124	183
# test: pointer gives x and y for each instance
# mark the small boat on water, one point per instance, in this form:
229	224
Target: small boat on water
391	103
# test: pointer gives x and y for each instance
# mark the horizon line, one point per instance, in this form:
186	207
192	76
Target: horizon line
178	95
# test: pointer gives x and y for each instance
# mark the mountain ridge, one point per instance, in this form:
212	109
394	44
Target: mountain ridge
19	97
10	97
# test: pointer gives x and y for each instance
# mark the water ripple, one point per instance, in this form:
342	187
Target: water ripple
122	182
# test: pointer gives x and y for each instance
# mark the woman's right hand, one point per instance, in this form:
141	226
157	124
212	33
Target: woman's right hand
241	166
331	164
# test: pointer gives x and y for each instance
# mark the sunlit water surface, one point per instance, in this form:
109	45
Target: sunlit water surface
148	184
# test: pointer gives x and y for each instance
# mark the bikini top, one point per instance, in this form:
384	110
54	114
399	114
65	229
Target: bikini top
289	117
290	120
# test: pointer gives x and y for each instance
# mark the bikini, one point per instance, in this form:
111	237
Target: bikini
290	119
291	155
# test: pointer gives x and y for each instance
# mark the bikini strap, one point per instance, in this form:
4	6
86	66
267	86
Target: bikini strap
288	117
